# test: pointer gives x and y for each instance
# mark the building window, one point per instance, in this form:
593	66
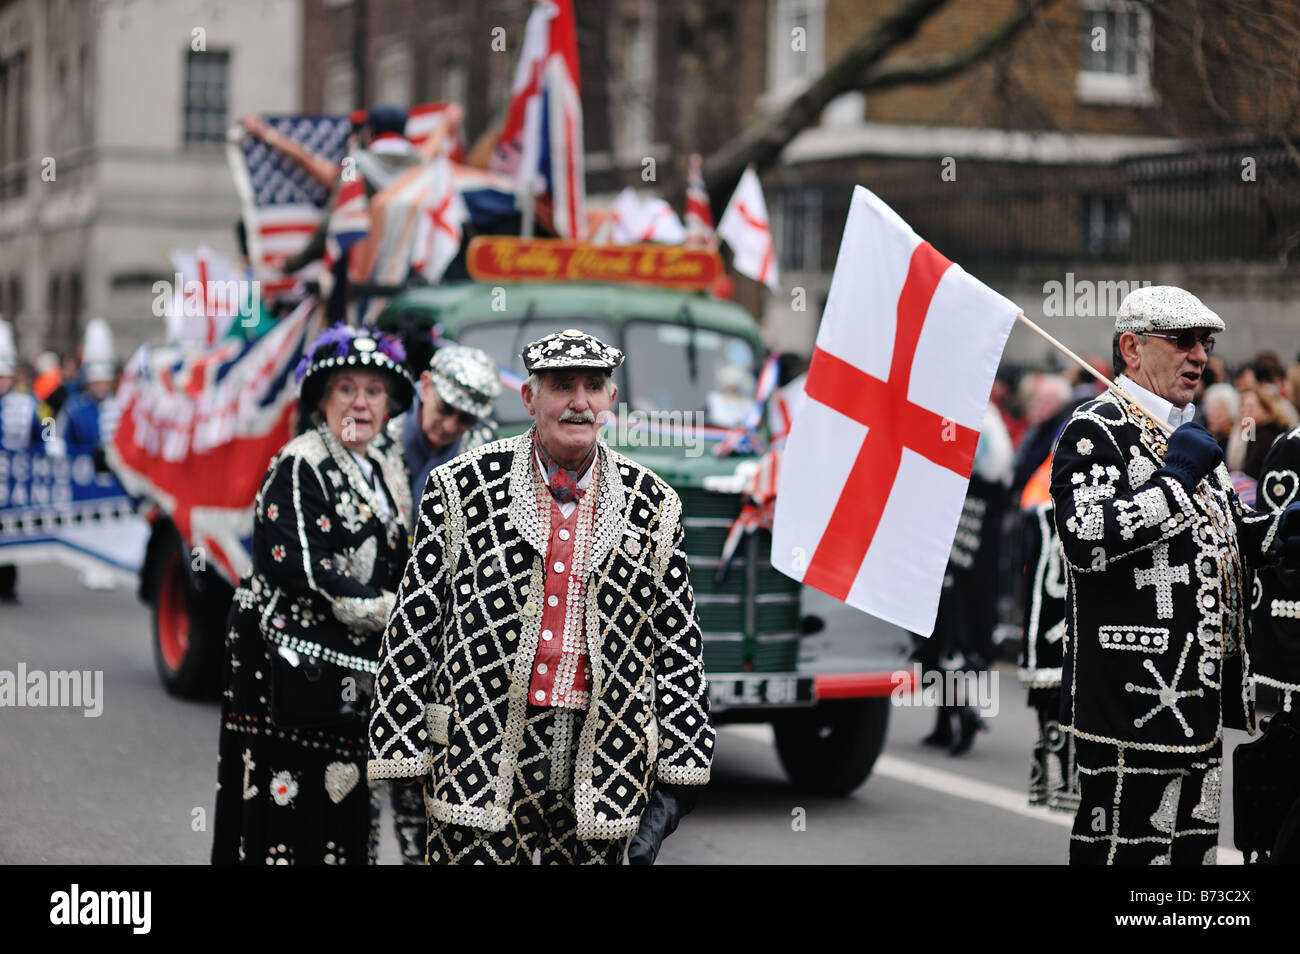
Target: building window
1107	225
394	76
455	83
85	100
796	45
207	89
1117	53
634	87
11	299
14	108
797	229
338	87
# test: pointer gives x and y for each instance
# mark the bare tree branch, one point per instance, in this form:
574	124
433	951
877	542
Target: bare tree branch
1198	62
936	67
761	142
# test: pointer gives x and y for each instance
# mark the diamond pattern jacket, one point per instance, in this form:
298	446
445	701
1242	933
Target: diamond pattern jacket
1156	644
455	666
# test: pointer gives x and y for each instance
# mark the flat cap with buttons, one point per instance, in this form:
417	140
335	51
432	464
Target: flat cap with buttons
465	378
1164	308
570	348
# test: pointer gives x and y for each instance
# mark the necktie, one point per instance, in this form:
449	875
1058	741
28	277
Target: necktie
562	482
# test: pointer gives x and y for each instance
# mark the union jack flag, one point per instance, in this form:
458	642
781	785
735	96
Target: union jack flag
540	145
199	428
282	204
699	217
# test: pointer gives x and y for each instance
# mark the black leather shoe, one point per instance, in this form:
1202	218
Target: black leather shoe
941	737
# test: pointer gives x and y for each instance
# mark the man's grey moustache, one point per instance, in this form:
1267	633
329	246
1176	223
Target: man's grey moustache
581	417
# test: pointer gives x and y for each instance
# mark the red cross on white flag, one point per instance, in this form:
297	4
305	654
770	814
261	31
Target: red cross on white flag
438	234
745	227
635	221
880	453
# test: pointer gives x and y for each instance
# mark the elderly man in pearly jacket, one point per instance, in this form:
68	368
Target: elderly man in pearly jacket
541	674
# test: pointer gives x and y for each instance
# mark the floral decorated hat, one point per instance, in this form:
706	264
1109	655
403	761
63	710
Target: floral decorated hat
363	349
570	348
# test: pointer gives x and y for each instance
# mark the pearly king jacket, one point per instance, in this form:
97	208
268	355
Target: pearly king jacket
456	662
1156	653
1275	602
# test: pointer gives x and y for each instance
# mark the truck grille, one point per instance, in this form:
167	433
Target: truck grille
750	618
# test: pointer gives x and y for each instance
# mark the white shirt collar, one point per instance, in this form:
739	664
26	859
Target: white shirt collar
1161	408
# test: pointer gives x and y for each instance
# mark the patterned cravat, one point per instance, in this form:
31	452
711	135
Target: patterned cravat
561	481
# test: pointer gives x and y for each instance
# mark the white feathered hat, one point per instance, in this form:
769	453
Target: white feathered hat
97	362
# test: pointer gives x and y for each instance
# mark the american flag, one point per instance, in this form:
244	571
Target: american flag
282	204
199	428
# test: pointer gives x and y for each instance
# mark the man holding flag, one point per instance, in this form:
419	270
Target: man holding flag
1157	549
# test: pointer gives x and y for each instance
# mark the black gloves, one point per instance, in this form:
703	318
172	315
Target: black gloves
1193	453
669	804
1288	534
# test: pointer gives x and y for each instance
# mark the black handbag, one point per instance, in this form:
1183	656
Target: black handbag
307	692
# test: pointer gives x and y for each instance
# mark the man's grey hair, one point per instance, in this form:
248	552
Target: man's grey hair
534	380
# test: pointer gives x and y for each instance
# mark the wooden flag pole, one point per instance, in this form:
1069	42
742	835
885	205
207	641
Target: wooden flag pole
1110	385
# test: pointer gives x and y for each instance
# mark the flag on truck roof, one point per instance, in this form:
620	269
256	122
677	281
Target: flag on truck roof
198	429
423	119
699	216
881	449
540	146
414	223
746	228
635	221
282	204
350	218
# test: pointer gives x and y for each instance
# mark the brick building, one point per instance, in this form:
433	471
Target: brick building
1078	148
113	116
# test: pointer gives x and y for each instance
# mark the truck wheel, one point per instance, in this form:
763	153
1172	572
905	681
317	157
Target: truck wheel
188	630
830	748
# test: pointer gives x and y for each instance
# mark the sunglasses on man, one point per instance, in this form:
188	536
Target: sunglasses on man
445	410
1185	340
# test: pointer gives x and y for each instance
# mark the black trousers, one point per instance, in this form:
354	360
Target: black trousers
542	818
1146	808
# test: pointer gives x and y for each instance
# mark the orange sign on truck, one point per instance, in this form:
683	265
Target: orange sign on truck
507	259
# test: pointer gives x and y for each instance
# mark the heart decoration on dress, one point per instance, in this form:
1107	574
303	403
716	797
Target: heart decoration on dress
341	778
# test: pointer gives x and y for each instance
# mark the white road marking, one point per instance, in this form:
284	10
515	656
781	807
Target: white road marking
960	786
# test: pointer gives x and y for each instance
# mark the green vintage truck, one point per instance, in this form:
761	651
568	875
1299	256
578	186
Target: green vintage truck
688	358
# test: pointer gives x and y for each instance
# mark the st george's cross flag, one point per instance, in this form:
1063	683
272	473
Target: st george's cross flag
880	452
745	227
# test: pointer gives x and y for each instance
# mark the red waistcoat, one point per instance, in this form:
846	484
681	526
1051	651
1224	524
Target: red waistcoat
561	673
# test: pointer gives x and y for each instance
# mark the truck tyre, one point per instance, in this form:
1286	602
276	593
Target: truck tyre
188	627
830	748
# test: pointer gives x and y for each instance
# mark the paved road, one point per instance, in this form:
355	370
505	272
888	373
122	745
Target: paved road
135	785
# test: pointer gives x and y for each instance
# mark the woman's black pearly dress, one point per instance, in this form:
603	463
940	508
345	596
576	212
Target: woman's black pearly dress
327	555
